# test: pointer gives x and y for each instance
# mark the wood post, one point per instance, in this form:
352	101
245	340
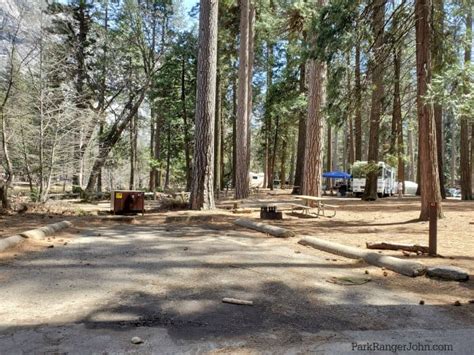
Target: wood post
433	229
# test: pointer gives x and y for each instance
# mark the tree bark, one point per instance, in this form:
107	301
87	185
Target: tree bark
453	152
283	161
250	81
411	154
130	109
329	156
234	130
265	228
242	172
168	157
80	54
202	186
396	246
349	145
187	139
152	181
274	153
376	67
217	138
133	152
313	162
429	176
5	183
438	52
301	133
358	106
397	117
404	267
291	174
268	121
465	155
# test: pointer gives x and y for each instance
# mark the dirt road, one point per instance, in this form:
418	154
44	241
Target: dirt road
164	283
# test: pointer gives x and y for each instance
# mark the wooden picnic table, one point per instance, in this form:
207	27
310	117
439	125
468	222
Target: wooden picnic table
320	204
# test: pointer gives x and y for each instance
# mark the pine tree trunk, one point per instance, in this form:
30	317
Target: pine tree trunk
397	117
222	150
329	156
152	181
291	174
429	176
202	186
274	153
358	106
376	67
411	155
187	139
465	155
234	130
217	138
313	162
5	183
453	152
301	132
283	162
268	121
132	153
472	158
335	153
438	54
349	142
168	157
242	173
157	150
249	81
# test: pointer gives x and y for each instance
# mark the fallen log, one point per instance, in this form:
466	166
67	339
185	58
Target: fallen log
404	267
237	301
265	228
45	231
9	242
394	246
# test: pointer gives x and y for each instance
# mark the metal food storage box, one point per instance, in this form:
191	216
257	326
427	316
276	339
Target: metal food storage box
125	202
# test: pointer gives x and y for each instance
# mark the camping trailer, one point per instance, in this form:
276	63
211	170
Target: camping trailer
386	184
256	179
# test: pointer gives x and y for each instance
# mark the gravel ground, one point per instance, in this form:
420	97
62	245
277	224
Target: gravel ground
164	282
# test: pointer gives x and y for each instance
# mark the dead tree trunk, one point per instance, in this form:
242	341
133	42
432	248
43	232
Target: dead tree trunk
130	110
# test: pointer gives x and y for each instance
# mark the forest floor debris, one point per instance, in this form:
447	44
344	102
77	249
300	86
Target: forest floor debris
165	283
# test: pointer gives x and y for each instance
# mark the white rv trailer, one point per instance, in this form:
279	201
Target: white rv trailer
256	179
386	184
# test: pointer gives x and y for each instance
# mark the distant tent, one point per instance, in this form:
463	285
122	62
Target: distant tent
336	175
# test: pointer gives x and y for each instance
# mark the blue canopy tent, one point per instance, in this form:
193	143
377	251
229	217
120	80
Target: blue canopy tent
336	175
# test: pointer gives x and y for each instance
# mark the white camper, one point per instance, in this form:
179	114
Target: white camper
256	179
386	184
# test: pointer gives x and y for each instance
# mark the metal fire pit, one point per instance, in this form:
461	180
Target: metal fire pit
270	212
